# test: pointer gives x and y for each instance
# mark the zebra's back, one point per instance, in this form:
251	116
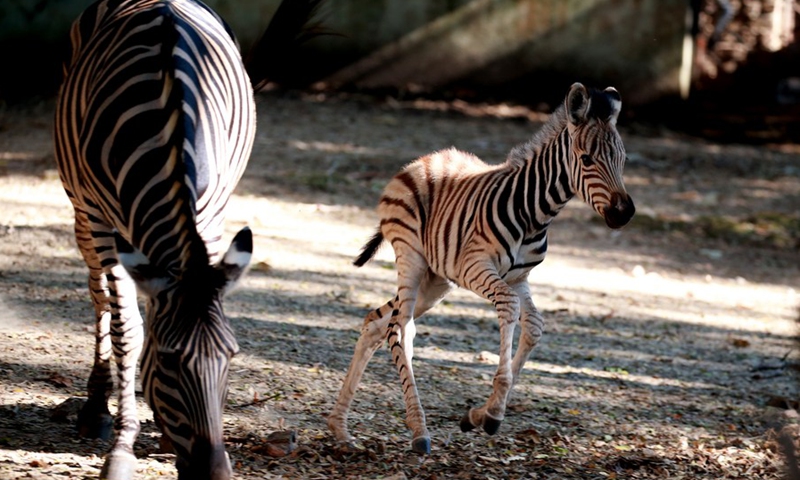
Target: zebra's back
440	203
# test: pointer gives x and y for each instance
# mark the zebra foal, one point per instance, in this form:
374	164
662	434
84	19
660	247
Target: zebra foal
453	220
154	126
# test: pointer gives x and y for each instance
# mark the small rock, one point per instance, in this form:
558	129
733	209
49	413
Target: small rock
278	444
488	357
711	253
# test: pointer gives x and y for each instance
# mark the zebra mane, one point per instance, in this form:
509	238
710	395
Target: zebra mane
525	152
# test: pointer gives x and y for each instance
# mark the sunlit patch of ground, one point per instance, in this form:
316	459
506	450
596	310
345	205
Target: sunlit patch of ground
666	354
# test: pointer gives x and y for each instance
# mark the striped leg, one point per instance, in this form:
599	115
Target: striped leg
118	330
372	333
432	290
401	345
419	289
489	285
531	329
127	337
94	419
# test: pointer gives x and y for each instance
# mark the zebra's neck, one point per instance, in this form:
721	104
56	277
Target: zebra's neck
541	166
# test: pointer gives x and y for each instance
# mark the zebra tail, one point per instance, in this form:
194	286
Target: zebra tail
271	57
369	250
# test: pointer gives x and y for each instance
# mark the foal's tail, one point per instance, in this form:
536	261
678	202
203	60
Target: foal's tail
370	249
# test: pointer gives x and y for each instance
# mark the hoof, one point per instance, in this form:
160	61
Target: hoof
421	445
94	422
165	444
346	447
466	424
491	425
118	466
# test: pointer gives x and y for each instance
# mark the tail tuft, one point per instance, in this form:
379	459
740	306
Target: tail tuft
369	250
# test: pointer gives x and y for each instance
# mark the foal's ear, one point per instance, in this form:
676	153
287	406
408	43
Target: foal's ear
577	104
237	258
150	279
615	100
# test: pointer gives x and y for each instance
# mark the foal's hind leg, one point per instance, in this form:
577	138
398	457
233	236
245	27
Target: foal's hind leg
374	330
402	330
372	334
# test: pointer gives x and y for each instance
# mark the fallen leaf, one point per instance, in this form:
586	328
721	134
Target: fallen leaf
59	380
740	342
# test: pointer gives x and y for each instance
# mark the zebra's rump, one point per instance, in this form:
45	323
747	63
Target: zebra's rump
160	115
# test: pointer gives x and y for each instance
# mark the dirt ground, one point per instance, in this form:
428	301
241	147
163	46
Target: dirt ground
669	351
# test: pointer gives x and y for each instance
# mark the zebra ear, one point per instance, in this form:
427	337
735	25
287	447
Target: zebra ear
148	278
615	100
577	103
237	258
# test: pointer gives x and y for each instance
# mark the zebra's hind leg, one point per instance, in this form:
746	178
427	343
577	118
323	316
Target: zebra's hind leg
412	270
94	419
489	285
372	334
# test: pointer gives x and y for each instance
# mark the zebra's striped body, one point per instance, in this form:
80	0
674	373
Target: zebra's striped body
453	220
154	126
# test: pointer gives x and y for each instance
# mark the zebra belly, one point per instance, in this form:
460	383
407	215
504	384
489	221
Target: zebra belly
528	256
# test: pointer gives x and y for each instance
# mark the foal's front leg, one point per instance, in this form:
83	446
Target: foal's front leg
531	330
489	285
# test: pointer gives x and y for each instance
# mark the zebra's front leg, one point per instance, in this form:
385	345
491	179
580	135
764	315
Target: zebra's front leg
506	302
127	339
372	334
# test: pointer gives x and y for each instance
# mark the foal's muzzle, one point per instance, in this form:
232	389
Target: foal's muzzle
620	212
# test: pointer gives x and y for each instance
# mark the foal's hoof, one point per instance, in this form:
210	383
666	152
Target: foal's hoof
118	466
466	424
491	425
421	445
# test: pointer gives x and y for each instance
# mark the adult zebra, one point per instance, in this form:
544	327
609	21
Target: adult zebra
154	126
454	220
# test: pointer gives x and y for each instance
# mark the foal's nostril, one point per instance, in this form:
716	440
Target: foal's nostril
620	212
629	208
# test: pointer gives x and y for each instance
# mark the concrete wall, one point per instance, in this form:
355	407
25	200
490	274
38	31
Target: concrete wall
632	44
635	45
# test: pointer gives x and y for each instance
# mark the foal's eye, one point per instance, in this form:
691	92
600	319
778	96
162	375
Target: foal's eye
587	160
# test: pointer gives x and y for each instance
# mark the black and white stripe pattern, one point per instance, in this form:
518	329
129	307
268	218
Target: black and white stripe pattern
154	126
453	220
